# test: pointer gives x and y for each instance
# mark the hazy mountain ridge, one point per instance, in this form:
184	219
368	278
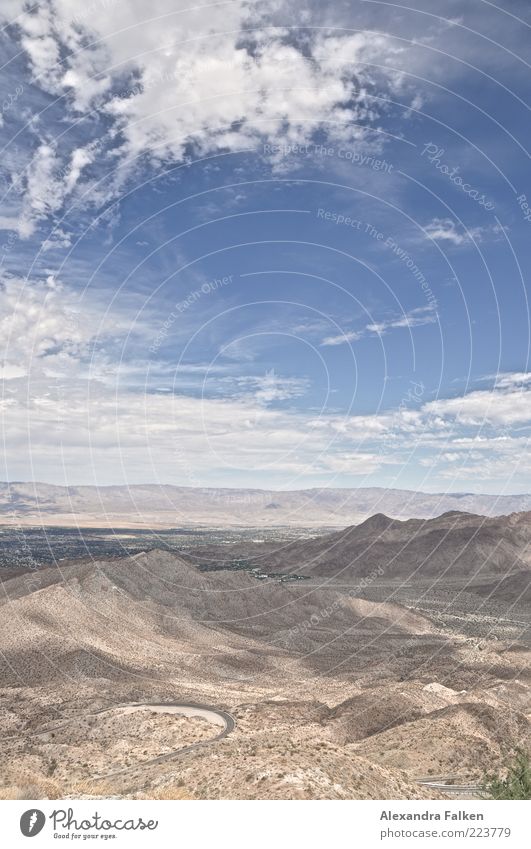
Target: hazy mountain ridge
171	506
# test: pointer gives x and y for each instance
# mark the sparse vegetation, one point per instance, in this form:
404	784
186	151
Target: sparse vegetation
517	782
172	791
23	784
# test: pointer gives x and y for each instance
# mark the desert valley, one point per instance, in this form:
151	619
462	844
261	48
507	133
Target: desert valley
383	660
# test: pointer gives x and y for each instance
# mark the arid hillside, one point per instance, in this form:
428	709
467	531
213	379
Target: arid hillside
131	613
332	695
454	545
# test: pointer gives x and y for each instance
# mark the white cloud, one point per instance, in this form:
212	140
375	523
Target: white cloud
44	184
354	463
272	387
48	329
414	318
43	189
80	158
447	230
507	404
222	94
341	338
11	371
9	222
168	76
58	238
506	380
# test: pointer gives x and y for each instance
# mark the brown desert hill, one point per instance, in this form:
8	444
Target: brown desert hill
469	737
152	611
460	545
378	709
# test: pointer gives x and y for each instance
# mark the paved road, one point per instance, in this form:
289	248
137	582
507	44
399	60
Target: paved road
443	784
213	715
217	717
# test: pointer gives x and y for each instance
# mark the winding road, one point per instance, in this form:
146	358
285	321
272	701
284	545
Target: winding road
221	718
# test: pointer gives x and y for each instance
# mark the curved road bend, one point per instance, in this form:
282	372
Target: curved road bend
217	717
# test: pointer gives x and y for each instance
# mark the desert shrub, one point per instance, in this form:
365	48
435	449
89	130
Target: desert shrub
169	792
517	782
39	790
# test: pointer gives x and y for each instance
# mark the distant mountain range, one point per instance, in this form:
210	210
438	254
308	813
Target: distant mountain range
165	506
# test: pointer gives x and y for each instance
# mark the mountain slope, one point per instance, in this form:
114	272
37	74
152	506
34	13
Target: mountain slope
455	544
153	611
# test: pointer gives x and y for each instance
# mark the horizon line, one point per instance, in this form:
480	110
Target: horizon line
265	489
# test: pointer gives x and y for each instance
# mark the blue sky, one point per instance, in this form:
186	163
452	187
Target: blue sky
268	245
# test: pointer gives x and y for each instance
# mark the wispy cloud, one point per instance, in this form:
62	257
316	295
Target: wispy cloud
414	318
447	230
49	328
506	405
342	338
271	387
